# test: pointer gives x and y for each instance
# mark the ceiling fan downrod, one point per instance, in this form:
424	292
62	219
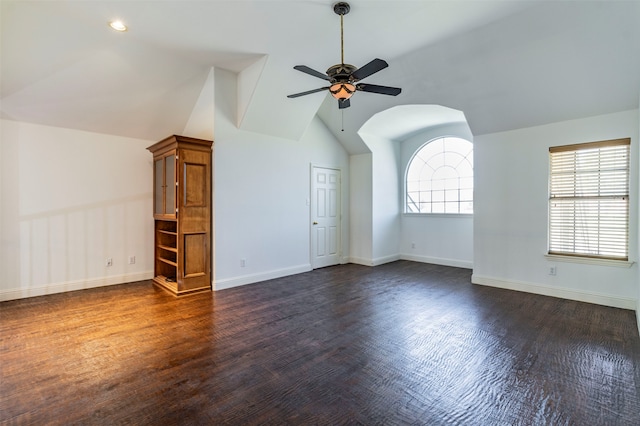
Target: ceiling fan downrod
341	8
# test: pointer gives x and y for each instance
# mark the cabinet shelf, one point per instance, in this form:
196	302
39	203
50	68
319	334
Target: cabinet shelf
173	249
169	284
167	261
162	231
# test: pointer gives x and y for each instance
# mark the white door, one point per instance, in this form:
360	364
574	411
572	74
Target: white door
325	217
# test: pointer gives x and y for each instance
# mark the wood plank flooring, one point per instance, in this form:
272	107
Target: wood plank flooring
402	343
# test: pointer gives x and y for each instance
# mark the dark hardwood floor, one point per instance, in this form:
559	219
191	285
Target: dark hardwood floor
402	343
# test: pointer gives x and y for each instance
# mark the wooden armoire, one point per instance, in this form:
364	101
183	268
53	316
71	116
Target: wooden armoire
182	214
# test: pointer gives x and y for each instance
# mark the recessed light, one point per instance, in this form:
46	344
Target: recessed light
118	26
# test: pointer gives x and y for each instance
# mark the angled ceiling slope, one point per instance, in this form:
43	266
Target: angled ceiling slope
553	62
63	66
86	77
506	64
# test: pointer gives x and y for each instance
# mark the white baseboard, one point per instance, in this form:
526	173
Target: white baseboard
563	293
21	293
374	262
386	259
262	276
361	261
423	259
438	261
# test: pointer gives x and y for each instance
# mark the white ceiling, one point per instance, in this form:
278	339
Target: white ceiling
504	64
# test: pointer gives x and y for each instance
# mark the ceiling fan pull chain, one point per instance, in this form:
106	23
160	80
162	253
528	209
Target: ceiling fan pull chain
342	119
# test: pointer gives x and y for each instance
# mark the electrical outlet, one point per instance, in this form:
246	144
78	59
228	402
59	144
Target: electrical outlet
413	245
243	263
132	260
108	262
552	270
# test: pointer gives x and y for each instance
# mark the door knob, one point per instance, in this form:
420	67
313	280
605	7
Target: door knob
315	223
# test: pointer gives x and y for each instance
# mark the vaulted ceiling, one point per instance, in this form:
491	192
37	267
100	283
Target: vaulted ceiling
504	64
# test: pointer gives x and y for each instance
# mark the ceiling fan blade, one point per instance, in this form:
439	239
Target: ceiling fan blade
371	68
383	90
308	92
305	69
344	103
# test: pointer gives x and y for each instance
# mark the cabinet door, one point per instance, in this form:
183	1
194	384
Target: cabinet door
170	185
164	186
158	187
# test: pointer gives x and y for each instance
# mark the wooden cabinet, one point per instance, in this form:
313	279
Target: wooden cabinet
182	213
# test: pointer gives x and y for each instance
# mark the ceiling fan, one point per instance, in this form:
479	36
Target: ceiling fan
343	77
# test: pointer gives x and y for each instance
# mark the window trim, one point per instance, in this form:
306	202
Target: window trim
446	215
590	260
577	257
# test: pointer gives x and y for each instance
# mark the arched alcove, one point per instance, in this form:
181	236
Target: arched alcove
401	122
393	136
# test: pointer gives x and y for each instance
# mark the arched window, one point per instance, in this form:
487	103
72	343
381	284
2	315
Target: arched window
440	178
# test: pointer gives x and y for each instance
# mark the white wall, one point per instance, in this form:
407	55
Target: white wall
440	239
361	219
262	189
69	200
326	151
511	205
385	207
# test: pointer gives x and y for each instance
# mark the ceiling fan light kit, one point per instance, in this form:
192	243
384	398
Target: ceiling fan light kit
342	91
343	77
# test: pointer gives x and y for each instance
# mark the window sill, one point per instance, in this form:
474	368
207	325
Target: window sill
447	215
590	260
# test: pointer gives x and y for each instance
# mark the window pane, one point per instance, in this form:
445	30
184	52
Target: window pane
437	184
460	146
426	185
466	183
452	183
451	207
425	207
437	208
413	173
436	161
465	169
466	207
466	195
451	195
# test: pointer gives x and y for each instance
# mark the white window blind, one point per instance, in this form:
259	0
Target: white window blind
589	199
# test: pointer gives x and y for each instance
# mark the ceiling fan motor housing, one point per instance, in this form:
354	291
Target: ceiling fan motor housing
341	73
